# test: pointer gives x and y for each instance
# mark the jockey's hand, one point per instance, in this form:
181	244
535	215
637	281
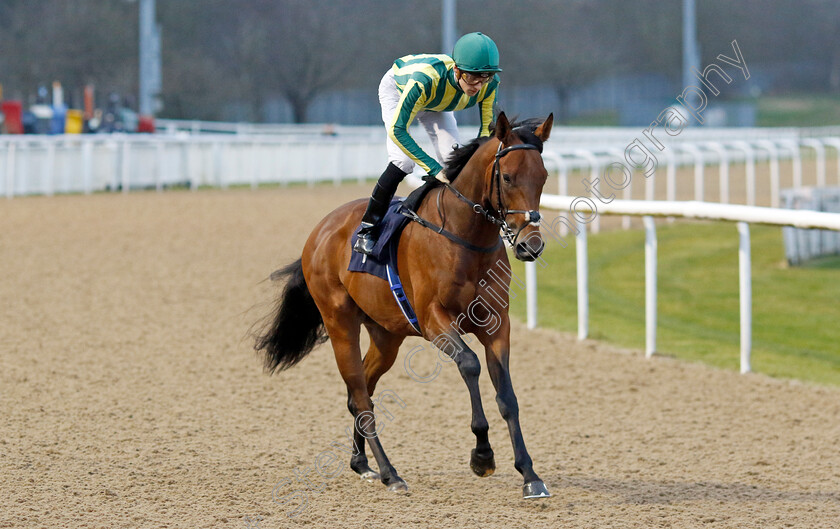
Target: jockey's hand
441	177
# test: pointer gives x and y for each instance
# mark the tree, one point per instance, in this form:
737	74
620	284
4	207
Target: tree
293	48
557	42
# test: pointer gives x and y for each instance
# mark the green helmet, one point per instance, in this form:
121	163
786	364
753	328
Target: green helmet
476	52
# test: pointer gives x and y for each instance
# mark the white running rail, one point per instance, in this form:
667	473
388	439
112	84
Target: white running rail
32	164
743	215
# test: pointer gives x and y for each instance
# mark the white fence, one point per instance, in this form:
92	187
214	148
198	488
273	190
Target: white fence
561	134
62	164
699	155
743	215
318	153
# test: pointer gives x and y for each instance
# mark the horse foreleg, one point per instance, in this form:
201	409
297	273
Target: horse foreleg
497	347
450	342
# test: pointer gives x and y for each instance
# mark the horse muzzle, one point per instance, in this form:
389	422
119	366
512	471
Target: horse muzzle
531	244
529	249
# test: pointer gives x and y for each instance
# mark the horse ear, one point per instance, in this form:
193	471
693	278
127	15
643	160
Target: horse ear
502	127
544	130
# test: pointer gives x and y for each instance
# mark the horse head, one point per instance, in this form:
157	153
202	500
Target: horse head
514	183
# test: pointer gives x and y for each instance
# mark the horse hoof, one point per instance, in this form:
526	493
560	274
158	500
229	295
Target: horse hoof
370	476
398	486
535	489
482	466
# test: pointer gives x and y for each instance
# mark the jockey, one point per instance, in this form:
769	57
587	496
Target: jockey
429	87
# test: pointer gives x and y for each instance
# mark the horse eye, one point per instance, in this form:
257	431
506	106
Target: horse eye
506	178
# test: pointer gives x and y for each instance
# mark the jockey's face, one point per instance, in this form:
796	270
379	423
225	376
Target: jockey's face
471	83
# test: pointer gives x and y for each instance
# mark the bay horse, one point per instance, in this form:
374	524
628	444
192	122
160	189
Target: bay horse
496	183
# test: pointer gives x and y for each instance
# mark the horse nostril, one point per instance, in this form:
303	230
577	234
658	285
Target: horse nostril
523	250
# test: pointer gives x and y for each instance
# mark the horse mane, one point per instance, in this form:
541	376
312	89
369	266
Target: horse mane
524	130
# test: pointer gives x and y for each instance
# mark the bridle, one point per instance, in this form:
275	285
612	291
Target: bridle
498	216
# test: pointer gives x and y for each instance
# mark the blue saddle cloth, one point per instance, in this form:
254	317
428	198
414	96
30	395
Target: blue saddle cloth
385	251
383	262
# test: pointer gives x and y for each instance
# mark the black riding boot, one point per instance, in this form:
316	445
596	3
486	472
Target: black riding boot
381	197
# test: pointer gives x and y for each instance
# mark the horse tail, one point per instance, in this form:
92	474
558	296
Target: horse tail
295	326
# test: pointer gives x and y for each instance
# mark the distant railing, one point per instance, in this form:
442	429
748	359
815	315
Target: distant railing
563	134
33	164
195	127
724	154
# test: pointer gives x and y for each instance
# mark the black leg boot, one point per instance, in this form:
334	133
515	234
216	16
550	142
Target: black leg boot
381	197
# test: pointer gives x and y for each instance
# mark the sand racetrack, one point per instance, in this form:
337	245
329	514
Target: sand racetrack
129	397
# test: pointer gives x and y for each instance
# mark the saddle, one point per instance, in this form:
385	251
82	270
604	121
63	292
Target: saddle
382	262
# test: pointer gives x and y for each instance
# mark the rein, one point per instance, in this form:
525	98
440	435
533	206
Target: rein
496	216
448	234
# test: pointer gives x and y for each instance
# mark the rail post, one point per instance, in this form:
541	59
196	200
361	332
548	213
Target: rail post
699	183
531	294
745	287
723	169
650	189
796	159
750	163
595	166
671	177
650	285
627	191
562	171
582	282
562	180
835	142
773	154
819	149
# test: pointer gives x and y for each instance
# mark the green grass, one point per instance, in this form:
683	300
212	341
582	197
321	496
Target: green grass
807	110
796	311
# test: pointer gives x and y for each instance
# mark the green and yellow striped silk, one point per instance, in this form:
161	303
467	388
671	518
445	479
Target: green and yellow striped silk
427	83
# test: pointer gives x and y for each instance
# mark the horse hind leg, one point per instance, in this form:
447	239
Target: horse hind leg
364	424
379	358
359	460
343	328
